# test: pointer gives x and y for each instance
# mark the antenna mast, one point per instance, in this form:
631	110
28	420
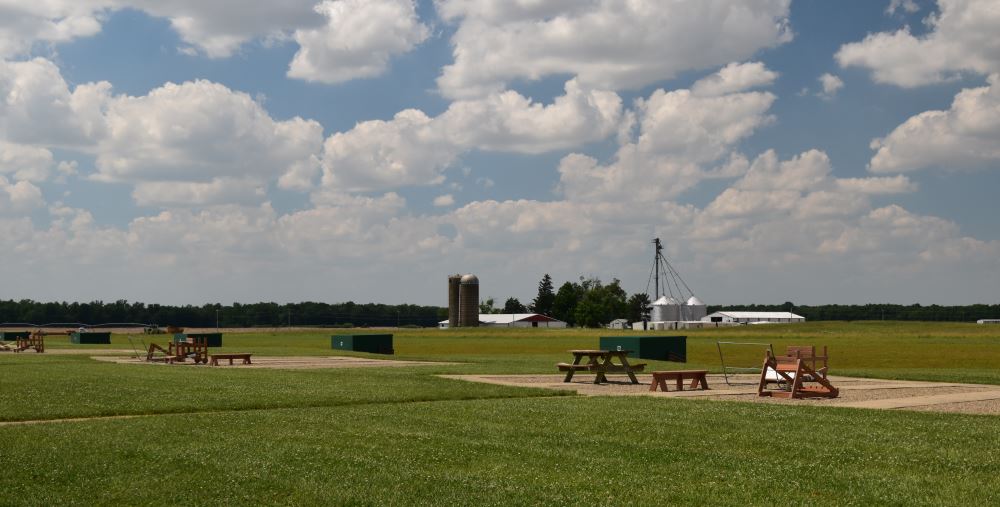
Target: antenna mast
656	267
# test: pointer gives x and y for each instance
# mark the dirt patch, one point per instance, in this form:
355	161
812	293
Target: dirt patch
290	363
88	351
865	393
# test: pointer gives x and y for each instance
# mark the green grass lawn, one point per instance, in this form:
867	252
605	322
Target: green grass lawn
378	436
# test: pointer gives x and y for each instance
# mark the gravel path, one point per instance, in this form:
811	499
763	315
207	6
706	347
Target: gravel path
854	392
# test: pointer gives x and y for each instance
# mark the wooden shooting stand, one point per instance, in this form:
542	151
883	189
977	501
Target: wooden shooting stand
794	371
36	340
193	348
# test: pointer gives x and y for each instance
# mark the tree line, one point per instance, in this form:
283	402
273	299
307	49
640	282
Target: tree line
588	302
27	311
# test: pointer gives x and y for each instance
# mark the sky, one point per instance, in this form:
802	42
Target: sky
187	152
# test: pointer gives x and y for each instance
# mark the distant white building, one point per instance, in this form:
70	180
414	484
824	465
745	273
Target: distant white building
988	321
753	317
514	320
618	324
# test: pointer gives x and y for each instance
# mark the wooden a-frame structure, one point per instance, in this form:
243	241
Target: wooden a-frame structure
794	371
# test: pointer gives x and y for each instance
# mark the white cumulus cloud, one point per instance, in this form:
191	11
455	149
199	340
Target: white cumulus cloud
38	107
830	86
358	40
19	197
200	132
735	77
22	24
28	163
962	39
444	201
682	139
607	44
963	137
414	149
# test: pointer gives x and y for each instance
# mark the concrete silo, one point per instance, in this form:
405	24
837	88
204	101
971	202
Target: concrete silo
453	291
468	301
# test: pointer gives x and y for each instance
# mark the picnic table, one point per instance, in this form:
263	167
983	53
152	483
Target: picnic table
601	362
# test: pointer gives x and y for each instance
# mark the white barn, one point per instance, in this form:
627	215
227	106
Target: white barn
514	320
988	321
753	317
618	324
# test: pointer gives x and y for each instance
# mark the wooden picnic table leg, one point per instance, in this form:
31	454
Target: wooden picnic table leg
601	369
628	369
703	380
569	374
680	382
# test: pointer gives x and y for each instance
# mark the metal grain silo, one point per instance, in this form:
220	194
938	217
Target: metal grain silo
468	301
661	308
672	310
453	290
695	309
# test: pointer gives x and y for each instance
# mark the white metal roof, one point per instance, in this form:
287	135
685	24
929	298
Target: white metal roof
760	315
506	318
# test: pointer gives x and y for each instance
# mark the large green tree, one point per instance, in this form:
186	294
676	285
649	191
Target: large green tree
512	305
546	297
564	303
638	305
600	303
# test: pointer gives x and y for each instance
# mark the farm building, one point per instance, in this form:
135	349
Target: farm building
753	317
618	324
514	320
988	321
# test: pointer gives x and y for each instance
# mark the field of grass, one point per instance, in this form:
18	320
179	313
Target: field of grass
197	435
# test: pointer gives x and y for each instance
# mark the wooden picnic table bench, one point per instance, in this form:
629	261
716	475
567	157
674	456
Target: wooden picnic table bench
660	379
600	362
213	359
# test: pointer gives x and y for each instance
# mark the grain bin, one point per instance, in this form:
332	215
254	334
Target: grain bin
666	309
468	301
453	291
695	309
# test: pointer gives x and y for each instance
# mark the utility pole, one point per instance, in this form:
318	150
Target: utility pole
656	263
216	320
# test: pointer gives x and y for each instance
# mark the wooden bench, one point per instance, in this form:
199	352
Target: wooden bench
574	367
214	358
660	379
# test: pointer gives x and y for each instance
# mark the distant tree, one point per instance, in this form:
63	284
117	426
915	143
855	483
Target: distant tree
546	297
600	304
637	307
486	306
512	305
615	300
564	304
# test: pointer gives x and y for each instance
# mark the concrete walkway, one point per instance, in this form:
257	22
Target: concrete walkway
854	392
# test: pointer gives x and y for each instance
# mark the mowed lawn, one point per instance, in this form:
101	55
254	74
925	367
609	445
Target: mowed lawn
198	435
